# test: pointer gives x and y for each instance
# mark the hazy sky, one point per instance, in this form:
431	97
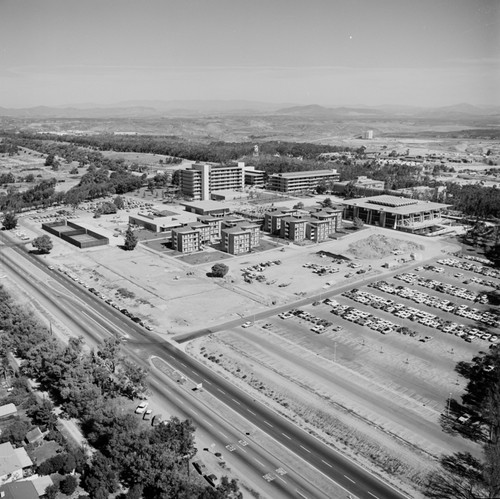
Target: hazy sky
330	52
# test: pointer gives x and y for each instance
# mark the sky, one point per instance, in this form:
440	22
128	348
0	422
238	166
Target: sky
326	52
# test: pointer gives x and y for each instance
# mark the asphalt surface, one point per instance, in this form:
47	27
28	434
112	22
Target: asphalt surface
353	478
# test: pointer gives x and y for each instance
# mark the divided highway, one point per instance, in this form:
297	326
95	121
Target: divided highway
334	465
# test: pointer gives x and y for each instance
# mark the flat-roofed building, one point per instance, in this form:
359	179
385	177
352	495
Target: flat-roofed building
200	180
394	212
214	224
240	238
236	240
254	177
186	239
333	216
161	222
272	219
317	230
206	208
293	228
302	181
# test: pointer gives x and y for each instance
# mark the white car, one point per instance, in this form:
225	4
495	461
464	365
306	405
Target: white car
141	408
246	324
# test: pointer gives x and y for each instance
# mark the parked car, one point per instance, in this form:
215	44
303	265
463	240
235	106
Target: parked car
147	414
141	408
246	324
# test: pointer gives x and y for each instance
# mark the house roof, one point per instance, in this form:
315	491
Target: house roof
34	435
23	458
40	483
7	410
11	460
19	490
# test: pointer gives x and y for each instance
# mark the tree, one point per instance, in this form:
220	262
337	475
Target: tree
43	244
298	206
108	208
131	239
358	223
119	203
68	485
9	220
49	160
327	203
51	491
219	270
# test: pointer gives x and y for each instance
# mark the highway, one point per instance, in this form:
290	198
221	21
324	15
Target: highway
142	343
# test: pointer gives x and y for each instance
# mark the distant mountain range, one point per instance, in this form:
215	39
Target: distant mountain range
192	108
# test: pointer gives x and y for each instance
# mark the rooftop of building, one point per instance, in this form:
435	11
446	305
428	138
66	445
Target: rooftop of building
19	490
394	204
12	459
184	230
308	173
206	205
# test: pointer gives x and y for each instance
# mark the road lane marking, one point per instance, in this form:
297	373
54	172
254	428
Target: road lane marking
301	494
284	481
373	495
307	450
243	450
262	464
208	423
182	364
221	391
223	434
285	435
350	479
268	424
235	401
205	381
194	412
251	412
328	464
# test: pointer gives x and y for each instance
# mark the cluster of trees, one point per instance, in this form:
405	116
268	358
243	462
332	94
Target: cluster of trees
461	475
474	200
172	147
8	147
151	462
93	184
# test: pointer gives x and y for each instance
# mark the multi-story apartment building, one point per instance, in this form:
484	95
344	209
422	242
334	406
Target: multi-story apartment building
200	180
317	230
240	237
236	240
293	228
186	239
333	216
302	181
272	219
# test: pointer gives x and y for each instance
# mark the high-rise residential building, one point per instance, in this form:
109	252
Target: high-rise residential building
200	180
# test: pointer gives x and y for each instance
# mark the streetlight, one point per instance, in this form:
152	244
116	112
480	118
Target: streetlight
448	407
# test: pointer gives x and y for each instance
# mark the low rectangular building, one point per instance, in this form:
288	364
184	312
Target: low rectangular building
302	181
394	212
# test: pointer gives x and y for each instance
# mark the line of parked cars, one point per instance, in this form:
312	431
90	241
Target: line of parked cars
478	269
107	300
319	325
442	287
420	316
147	414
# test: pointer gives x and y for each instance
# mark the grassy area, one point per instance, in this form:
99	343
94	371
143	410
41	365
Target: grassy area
204	257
